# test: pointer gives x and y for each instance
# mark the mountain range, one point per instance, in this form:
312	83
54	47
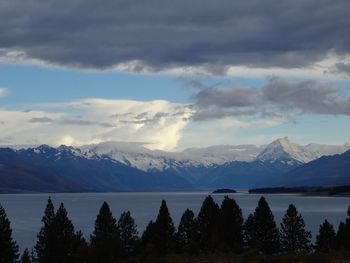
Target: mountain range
115	166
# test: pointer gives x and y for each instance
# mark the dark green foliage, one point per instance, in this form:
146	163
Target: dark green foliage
325	240
148	235
66	242
294	237
8	247
159	236
187	234
105	241
249	232
46	238
231	221
266	235
208	223
25	256
57	241
164	230
80	248
129	238
64	236
343	234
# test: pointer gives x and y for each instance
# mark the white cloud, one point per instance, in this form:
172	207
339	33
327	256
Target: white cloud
158	124
4	92
227	131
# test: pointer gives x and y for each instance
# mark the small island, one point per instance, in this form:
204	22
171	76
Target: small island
224	191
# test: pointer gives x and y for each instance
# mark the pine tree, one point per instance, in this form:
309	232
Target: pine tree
343	234
105	243
46	238
148	236
80	247
249	232
128	234
65	247
266	234
208	224
164	230
231	221
325	240
8	247
294	237
25	256
187	234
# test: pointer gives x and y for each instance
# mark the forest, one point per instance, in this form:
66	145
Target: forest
216	234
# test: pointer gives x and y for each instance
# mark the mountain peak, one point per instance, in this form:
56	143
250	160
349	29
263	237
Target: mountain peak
283	149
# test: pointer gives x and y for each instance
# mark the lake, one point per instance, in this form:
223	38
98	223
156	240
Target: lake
26	210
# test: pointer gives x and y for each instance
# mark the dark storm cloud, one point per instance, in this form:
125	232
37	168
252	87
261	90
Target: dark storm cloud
161	34
343	68
276	98
226	98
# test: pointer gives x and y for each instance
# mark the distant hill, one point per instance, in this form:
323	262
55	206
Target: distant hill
65	169
327	170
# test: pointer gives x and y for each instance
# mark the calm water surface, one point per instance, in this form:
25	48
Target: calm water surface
26	210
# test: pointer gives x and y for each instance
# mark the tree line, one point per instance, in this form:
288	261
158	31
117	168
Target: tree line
215	228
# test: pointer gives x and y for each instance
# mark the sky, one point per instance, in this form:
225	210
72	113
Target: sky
174	75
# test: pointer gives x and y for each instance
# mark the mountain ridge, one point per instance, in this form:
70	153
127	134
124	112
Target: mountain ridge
125	167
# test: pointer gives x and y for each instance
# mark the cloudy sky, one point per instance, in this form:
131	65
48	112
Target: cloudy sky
174	74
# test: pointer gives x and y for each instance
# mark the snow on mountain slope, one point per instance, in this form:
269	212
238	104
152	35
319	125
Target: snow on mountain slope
132	154
144	159
221	154
137	156
285	150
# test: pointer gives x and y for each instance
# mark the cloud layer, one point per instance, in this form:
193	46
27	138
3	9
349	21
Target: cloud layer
160	34
277	98
157	124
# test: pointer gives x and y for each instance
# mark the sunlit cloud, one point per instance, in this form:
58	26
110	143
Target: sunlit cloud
158	124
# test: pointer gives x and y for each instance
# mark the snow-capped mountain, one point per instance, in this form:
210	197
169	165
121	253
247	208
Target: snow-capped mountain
112	166
144	159
282	150
285	150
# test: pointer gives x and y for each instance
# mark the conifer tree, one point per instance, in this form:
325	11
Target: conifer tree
81	248
25	256
128	234
231	221
249	232
187	234
164	230
343	234
148	236
266	235
325	240
65	247
208	224
43	250
8	247
294	237
105	242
